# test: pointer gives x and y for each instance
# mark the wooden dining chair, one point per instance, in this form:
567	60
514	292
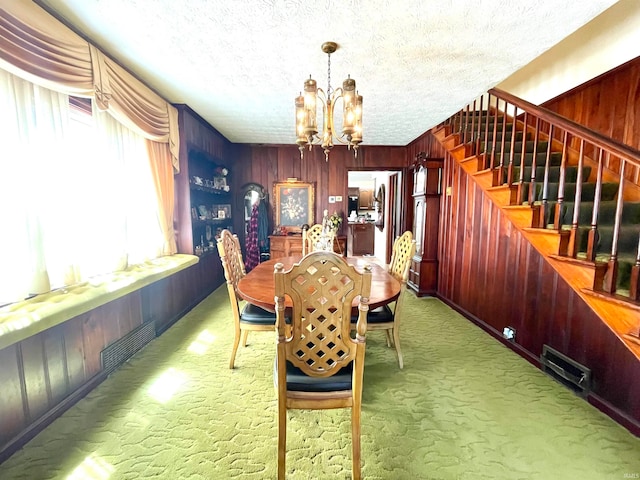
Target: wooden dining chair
318	363
388	317
251	317
311	237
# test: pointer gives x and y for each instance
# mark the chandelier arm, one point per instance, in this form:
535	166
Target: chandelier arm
318	137
339	137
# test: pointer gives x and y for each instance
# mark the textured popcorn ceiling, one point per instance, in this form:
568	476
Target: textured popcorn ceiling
239	64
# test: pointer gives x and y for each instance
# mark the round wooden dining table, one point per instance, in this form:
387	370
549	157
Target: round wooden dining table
258	287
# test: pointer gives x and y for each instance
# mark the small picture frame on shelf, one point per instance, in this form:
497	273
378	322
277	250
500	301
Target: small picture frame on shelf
203	213
221	214
219	183
226	209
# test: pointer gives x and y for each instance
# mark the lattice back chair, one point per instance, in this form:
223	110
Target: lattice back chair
318	363
311	237
388	317
251	317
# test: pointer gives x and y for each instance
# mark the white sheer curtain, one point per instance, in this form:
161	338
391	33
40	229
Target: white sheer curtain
76	193
33	121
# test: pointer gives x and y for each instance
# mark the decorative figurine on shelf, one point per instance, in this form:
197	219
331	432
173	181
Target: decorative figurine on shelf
326	222
329	231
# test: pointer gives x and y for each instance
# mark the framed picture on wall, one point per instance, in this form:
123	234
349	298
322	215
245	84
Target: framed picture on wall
294	204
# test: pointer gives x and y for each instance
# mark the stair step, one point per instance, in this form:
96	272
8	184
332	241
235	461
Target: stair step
541	157
571	173
517	147
608	192
507	137
627	248
606	213
628	236
483	127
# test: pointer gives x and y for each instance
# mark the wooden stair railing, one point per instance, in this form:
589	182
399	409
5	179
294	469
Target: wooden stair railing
575	163
576	182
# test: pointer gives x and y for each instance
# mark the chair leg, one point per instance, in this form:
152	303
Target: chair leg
396	342
282	439
245	334
355	441
389	340
236	342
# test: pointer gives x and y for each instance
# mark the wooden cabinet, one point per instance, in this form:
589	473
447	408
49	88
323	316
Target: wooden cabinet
285	246
291	245
427	175
365	199
360	239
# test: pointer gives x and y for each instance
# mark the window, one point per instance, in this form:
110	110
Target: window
77	196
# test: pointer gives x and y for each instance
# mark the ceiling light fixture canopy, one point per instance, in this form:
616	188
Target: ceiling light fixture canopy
307	116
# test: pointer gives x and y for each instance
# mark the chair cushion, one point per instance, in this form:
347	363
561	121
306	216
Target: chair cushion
253	314
299	381
381	314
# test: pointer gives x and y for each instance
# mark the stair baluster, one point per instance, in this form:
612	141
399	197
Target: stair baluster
592	240
495	136
465	125
557	214
472	132
512	152
544	205
634	282
486	133
611	275
534	162
476	143
498	173
520	192
572	249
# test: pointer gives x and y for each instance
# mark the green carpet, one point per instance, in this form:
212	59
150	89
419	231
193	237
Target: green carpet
464	407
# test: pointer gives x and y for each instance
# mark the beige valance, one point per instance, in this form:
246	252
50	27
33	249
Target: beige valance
37	47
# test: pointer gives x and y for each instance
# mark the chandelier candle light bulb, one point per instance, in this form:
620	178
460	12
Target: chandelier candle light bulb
306	112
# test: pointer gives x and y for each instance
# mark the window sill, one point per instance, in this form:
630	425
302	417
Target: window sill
24	319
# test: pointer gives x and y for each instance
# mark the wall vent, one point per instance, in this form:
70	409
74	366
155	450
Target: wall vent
119	351
566	370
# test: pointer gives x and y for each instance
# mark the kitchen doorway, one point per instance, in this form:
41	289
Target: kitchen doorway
373	212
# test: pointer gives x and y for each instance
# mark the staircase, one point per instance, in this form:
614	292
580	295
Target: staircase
568	189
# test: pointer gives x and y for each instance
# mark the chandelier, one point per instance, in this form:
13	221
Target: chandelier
307	133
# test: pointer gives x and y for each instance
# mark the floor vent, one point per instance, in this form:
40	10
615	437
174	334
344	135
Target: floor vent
565	370
119	351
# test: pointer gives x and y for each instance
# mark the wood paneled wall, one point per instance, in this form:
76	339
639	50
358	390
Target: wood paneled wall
425	143
45	374
608	104
268	164
39	372
495	277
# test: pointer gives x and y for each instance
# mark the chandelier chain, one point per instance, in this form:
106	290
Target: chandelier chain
329	89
